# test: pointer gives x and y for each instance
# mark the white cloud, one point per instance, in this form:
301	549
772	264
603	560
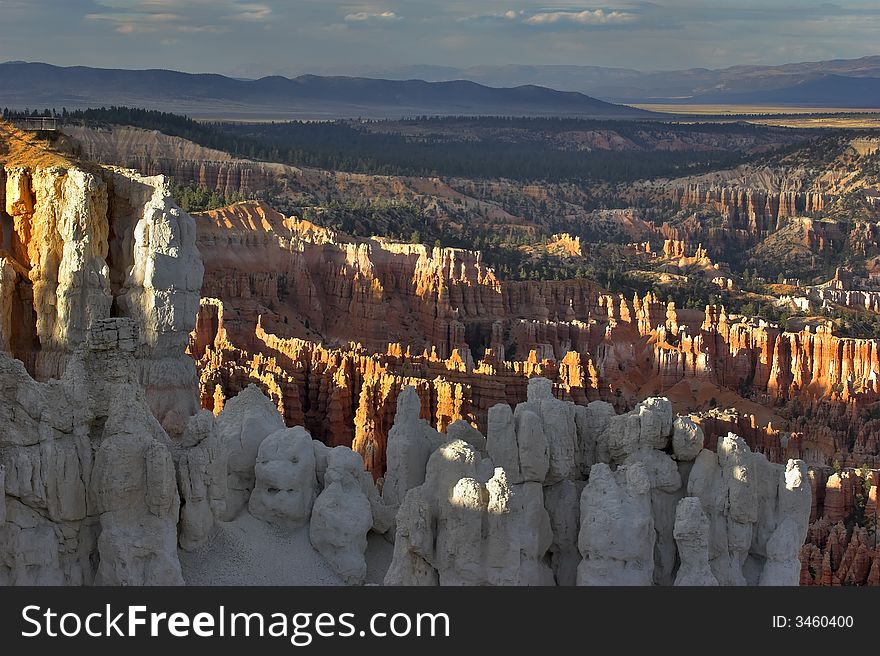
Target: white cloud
509	15
580	17
586	17
363	16
251	12
140	18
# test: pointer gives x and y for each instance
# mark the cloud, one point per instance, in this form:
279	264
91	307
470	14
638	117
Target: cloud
134	23
251	12
665	34
184	16
586	17
509	15
560	17
365	16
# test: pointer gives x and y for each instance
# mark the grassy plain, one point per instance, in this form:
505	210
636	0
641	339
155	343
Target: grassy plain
793	117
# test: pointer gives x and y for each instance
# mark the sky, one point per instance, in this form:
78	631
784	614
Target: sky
252	38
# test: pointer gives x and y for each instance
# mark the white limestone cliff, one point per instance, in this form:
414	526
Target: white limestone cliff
748	500
202	479
90	489
285	480
342	516
161	287
616	537
107	463
411	441
94	243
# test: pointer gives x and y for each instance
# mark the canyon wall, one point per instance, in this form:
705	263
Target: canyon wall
107	465
441	322
375	292
152	153
332	327
98	295
575	494
85	243
752	209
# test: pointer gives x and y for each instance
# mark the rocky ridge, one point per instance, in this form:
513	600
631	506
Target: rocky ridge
152	153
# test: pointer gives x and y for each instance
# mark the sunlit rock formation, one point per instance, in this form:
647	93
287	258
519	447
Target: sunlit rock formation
85	243
108	464
743	523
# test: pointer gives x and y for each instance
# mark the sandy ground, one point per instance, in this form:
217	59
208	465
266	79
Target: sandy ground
379	552
247	551
690	395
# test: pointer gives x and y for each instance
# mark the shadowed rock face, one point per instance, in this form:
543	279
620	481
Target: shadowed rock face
107	509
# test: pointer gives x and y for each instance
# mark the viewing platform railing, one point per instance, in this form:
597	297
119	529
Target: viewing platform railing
37	124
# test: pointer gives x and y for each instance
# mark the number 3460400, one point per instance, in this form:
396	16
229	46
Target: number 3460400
823	621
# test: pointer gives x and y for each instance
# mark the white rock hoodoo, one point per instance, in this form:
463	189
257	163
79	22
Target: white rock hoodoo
571	494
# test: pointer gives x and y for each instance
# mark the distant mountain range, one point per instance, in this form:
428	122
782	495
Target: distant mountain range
38	86
808	84
825	91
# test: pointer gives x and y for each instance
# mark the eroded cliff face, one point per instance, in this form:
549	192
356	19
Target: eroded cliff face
99	276
328	286
99	288
332	328
90	492
153	153
737	352
97	490
81	244
755	210
348	396
565	493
